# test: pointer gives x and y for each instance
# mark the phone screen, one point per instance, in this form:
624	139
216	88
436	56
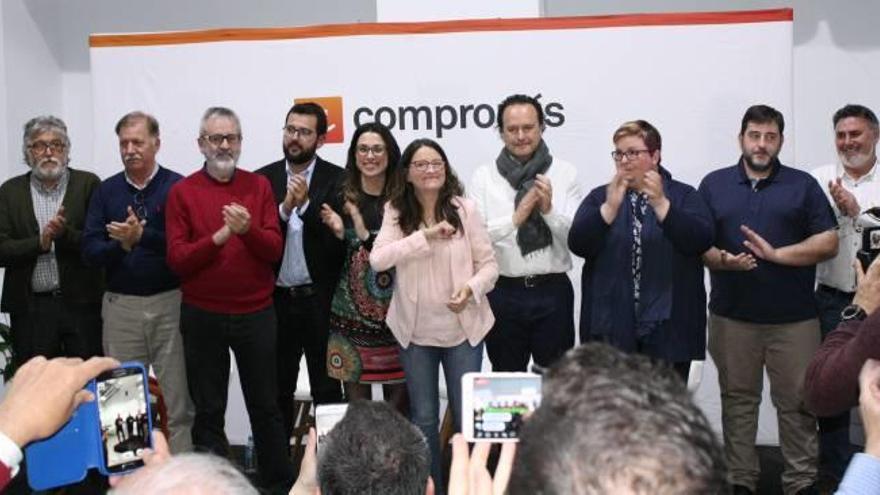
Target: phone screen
123	416
326	417
501	402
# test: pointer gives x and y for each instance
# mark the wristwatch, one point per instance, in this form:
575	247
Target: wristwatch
853	312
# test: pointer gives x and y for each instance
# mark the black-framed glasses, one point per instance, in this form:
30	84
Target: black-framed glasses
40	147
618	155
140	208
292	130
217	139
376	149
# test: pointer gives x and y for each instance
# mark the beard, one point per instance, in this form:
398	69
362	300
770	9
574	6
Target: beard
758	167
221	167
856	160
303	157
52	174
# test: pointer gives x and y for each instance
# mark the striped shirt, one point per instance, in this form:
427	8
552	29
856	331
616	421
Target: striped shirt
46	203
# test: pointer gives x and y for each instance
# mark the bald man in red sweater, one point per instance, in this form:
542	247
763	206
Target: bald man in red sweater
223	242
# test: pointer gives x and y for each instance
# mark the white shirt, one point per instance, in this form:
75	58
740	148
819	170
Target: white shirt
838	272
494	197
294	270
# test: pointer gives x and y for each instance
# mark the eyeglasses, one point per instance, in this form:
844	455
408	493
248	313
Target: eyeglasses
40	147
291	130
424	165
365	150
629	154
217	139
140	208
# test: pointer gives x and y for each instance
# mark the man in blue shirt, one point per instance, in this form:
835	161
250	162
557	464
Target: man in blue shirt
125	234
773	224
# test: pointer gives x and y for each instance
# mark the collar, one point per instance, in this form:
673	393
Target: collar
212	179
869	177
307	172
146	182
745	179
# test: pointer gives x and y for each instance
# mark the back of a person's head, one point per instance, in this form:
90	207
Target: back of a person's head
187	474
373	449
613	423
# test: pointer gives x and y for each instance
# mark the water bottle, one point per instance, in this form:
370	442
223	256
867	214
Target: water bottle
250	463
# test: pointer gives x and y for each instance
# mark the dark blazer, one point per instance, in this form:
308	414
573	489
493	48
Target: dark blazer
672	274
324	252
20	242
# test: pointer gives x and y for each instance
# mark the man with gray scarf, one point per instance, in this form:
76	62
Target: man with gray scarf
527	198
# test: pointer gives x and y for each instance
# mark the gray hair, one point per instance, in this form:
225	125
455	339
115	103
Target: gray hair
191	473
131	118
39	125
611	422
373	449
213	112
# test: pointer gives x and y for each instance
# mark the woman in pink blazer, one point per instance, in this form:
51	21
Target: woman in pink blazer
445	265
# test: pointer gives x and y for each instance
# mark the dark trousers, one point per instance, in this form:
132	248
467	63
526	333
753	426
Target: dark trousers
303	324
531	321
207	338
52	327
835	449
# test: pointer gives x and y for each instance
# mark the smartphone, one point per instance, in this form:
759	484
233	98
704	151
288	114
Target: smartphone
326	417
124	421
870	246
495	404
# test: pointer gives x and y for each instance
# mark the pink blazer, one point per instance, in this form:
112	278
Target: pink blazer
474	265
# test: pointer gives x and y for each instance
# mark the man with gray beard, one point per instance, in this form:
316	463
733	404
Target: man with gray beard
852	187
223	243
53	299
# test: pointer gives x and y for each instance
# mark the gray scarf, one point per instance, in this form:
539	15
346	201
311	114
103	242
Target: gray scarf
534	234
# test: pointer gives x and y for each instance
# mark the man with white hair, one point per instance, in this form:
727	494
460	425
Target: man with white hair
53	299
223	242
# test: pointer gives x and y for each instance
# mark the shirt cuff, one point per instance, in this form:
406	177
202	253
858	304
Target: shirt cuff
10	454
302	208
284	216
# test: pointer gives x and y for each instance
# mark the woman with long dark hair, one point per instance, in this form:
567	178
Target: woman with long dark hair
361	350
445	265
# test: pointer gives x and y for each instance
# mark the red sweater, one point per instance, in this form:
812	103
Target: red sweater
237	277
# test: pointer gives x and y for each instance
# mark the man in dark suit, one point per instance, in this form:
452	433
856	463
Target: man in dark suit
53	299
312	260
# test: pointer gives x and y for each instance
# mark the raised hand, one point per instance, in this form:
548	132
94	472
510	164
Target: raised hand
332	220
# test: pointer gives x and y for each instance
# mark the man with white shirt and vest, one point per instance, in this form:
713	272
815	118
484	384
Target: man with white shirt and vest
852	187
313	256
527	198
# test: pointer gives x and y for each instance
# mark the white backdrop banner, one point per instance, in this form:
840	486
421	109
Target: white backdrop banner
691	75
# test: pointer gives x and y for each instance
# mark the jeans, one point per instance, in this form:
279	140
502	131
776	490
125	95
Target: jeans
420	363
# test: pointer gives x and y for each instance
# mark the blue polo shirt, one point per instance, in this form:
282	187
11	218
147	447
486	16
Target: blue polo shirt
785	208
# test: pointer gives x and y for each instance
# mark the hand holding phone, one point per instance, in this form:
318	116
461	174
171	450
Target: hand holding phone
494	405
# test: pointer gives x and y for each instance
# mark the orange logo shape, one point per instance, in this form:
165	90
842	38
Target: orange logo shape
333	108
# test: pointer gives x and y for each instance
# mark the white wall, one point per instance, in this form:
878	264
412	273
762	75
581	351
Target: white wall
44	65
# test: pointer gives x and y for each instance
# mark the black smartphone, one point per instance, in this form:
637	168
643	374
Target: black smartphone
124	417
870	247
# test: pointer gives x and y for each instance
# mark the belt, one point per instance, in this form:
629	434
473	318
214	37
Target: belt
298	291
48	293
529	281
836	292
